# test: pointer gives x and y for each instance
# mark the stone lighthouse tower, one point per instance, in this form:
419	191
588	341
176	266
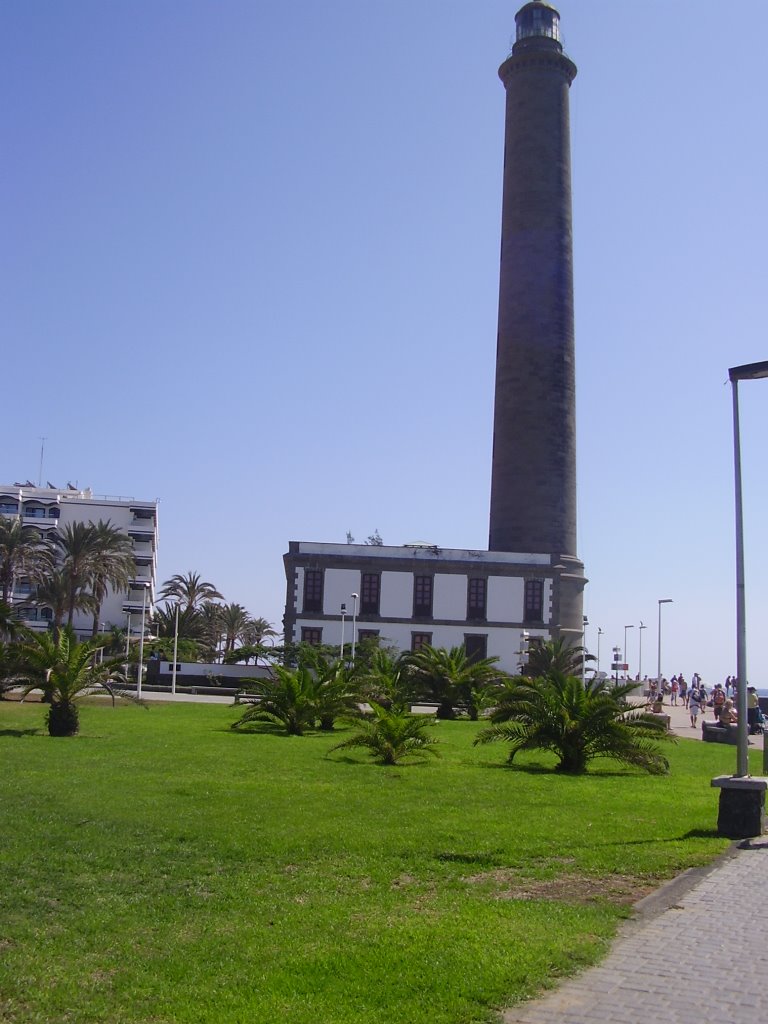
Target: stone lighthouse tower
533	486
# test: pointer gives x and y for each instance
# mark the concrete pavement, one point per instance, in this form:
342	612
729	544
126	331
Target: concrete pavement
680	724
696	951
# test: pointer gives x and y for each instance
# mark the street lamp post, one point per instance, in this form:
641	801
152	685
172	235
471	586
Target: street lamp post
175	649
626	649
141	639
343	616
640	651
751	371
584	651
662	600
599	634
354	625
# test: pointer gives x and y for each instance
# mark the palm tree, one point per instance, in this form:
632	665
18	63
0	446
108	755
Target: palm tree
114	641
209	615
8	623
387	679
113	565
189	589
234	620
66	671
164	622
244	653
9	667
22	552
451	677
289	700
257	630
560	655
55	591
392	734
335	692
578	721
78	548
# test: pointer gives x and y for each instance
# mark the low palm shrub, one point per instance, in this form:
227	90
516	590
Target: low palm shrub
451	678
577	720
66	671
391	734
287	699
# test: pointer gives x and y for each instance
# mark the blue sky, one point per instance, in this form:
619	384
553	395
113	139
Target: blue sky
250	267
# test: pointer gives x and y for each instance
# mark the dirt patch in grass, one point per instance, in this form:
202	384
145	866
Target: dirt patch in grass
402	881
623	890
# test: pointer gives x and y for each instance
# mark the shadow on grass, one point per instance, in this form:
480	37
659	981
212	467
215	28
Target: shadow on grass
537	768
268	729
694	833
18	733
483	859
370	762
702	833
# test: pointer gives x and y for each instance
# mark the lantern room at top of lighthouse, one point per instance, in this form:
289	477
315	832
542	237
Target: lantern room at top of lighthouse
538	20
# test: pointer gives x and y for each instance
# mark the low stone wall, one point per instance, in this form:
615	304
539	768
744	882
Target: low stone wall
711	732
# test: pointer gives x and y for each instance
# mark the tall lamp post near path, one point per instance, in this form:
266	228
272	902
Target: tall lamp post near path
585	622
599	634
145	588
626	649
662	600
343	616
742	799
355	599
640	652
752	371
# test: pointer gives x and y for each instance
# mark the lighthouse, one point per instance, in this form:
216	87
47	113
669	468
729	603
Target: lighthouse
533	483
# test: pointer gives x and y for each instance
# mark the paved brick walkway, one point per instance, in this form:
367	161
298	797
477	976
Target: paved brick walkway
697	953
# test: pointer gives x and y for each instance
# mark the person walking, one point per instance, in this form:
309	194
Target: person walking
753	709
694	705
718	700
674	687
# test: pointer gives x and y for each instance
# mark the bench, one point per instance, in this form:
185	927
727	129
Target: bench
243	697
711	732
660	716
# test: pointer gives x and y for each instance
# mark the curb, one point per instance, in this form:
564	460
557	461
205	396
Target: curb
671	892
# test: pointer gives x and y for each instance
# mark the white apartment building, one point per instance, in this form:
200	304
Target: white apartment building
47	508
420	594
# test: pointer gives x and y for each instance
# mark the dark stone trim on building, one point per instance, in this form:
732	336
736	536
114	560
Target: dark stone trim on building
434	564
473	625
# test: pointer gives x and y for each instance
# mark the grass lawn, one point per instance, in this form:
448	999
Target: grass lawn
161	868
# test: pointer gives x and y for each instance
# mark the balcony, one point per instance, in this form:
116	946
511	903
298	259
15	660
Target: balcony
41	516
141	526
32	616
139	580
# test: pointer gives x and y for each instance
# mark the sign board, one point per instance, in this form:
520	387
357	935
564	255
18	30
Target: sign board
619	666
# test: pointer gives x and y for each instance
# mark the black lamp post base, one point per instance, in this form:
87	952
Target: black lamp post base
741	812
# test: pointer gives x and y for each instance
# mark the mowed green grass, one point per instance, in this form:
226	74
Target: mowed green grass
162	868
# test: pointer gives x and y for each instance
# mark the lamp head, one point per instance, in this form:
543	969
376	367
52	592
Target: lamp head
750	371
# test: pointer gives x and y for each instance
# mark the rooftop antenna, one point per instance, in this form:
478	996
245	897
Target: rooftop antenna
42	450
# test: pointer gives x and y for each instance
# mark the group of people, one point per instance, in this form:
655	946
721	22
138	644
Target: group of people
696	698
